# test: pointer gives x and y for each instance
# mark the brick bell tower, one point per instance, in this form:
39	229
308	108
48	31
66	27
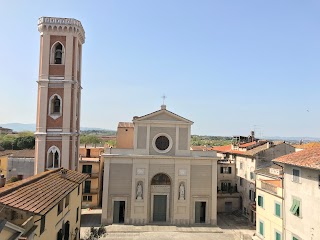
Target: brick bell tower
59	93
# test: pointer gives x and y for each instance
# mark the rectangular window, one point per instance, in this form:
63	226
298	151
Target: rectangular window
251	175
261	228
278	236
87	169
60	207
296	175
87	198
295	238
77	214
67	201
225	170
241	165
295	207
241	181
42	223
277	209
252	195
260	201
78	190
87	186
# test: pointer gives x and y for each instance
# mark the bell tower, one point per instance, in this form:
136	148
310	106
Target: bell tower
59	93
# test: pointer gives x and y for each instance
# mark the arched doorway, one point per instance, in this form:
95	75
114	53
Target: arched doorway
160	195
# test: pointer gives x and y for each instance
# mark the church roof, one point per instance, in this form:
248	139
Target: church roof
162	111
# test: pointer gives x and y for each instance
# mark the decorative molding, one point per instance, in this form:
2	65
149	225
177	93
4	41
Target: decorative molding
154	143
182	172
140	171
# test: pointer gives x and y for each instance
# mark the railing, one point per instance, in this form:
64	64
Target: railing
232	189
269	187
92	175
55	20
90	191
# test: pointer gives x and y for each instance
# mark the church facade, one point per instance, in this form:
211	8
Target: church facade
157	178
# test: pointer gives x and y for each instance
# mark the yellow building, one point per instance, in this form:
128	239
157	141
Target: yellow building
4	161
44	206
269	199
90	163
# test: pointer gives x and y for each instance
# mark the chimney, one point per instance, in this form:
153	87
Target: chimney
63	172
2	180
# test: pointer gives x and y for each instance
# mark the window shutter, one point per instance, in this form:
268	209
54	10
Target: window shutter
261	228
277	209
259	200
229	169
221	169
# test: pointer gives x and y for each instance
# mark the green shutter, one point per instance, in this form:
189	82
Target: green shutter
294	238
259	200
278	236
261	229
278	210
295	207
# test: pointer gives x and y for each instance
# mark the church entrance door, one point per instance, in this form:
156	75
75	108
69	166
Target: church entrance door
118	211
159	208
200	212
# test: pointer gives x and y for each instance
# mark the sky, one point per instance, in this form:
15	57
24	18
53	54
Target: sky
229	66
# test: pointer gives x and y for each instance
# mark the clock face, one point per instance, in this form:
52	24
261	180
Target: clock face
162	143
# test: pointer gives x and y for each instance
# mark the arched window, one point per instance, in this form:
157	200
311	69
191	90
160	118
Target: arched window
53	160
66	230
60	235
160	179
55	106
57	53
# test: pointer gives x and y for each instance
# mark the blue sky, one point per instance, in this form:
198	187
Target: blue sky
229	66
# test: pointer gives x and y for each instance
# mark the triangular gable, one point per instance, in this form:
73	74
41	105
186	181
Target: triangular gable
162	115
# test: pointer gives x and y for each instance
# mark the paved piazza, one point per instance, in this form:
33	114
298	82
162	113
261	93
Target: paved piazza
230	227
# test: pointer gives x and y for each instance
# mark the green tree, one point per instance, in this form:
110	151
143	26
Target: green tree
90	139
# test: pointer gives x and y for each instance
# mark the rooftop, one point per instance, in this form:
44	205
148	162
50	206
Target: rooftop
40	193
309	158
26	153
307	145
274	171
251	152
276	183
125	125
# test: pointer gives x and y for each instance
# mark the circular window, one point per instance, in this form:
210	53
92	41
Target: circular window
162	143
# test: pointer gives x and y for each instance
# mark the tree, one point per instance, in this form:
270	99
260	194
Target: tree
90	139
96	233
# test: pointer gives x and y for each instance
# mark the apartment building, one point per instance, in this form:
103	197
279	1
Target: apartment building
269	198
90	163
301	194
248	157
44	206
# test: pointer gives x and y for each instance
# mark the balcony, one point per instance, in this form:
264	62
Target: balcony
91	174
90	191
228	191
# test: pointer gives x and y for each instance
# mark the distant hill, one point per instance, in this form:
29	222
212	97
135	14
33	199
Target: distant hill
20	127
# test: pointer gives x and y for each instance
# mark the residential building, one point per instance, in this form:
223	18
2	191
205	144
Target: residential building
248	157
303	146
44	206
301	194
59	93
5	130
160	179
90	162
269	199
228	195
20	164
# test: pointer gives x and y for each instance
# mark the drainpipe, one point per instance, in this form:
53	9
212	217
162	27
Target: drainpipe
283	202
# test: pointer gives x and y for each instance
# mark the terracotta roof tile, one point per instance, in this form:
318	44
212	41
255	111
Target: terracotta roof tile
276	183
39	193
247	144
26	153
307	145
309	158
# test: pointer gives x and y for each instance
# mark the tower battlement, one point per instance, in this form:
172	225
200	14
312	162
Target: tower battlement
56	24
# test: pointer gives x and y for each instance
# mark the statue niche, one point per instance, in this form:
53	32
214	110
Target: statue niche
139	191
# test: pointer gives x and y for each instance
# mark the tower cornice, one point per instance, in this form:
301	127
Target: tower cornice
58	25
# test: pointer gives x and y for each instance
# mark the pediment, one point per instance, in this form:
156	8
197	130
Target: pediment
163	115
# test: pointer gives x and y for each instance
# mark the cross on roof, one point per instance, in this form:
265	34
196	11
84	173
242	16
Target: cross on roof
164	98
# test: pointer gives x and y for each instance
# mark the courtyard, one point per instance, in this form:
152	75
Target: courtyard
230	227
